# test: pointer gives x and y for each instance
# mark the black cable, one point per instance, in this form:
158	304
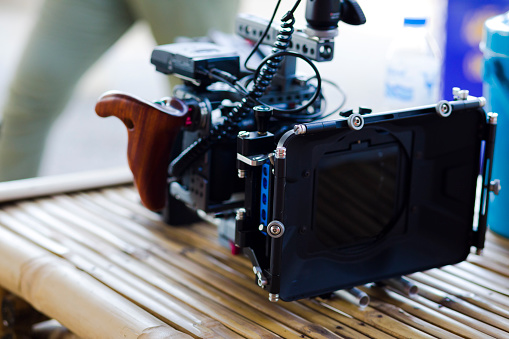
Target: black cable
258	43
233	83
230	126
317	75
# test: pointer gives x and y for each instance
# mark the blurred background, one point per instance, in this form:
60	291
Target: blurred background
82	141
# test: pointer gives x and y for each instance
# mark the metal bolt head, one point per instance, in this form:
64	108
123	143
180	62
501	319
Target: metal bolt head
443	108
275	229
463	94
280	152
493	118
273	297
243	134
355	121
299	129
495	186
241	212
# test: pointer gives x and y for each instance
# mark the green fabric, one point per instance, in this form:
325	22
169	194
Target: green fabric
68	38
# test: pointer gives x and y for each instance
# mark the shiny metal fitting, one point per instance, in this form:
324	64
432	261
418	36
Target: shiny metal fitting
262	281
456	92
463	94
241	213
281	153
492	118
495	186
241	174
403	285
355	121
243	134
443	108
273	297
482	101
354	296
299	129
275	229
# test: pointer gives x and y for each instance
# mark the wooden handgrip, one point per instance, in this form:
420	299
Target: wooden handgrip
152	129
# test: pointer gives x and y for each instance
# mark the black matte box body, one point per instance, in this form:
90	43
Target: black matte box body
438	167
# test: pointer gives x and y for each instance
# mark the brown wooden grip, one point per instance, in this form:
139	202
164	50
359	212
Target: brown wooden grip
152	130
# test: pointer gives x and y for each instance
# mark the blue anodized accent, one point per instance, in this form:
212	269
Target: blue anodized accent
264	196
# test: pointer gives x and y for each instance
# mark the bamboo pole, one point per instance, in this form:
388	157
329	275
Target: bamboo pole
78	301
460	292
132	265
185	278
43	186
463	307
377	319
274	311
440	316
493	296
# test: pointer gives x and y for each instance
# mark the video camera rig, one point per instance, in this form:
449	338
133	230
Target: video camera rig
317	205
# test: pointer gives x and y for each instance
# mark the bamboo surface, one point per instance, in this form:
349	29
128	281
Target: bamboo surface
106	267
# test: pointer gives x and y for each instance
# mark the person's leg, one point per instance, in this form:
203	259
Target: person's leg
69	37
190	18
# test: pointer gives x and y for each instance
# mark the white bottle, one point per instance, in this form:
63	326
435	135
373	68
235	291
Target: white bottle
413	68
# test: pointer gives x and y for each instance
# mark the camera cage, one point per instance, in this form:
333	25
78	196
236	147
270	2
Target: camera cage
317	205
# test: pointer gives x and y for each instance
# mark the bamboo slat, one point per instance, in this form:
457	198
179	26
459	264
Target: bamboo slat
104	266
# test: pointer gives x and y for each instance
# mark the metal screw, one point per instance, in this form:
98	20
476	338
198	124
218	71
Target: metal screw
280	152
260	228
463	94
273	297
355	121
493	118
455	92
299	129
241	212
275	229
495	186
443	108
241	174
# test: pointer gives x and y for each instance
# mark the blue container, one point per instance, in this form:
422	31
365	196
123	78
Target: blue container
495	47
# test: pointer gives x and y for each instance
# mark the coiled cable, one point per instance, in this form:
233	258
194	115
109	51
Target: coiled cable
229	128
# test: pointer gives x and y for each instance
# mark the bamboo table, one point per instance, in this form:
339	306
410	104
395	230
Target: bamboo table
105	267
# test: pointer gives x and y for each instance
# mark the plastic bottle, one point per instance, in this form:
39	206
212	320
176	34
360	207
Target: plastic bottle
413	67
